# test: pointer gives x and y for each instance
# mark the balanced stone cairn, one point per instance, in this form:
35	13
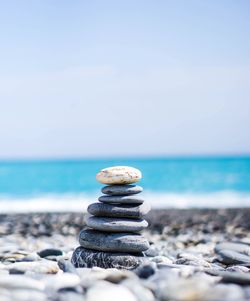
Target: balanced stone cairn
112	239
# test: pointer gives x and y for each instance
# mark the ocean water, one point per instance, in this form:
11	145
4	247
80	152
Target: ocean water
168	182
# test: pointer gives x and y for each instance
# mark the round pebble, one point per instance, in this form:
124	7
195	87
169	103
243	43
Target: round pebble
113	242
117	199
119	175
116	210
89	258
122	189
112	224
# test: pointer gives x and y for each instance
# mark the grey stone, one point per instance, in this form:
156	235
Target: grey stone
112	242
231	277
113	224
16	272
190	259
89	258
117	199
30	257
232	257
90	275
116	210
141	292
50	252
146	270
237	247
152	251
160	259
66	266
122	189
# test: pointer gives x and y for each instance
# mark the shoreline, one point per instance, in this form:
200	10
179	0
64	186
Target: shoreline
158	200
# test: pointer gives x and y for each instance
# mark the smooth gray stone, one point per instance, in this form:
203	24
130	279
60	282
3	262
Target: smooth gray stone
116	210
231	277
66	266
118	199
122	189
113	242
237	247
89	258
114	224
232	257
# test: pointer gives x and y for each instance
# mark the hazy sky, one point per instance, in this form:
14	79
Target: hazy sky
106	78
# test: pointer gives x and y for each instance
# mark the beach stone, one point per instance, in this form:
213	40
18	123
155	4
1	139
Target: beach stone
91	275
30	257
116	210
231	277
106	291
20	282
237	247
190	259
66	266
160	259
141	292
146	270
232	257
113	242
120	199
40	267
122	189
113	224
119	175
89	258
50	252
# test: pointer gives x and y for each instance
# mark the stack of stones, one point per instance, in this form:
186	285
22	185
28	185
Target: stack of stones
112	239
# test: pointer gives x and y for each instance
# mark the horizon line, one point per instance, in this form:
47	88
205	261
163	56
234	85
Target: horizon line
126	157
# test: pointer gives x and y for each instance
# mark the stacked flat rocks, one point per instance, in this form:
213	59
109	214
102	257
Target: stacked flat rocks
112	239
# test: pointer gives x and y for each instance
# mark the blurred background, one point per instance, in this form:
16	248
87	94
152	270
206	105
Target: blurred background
163	86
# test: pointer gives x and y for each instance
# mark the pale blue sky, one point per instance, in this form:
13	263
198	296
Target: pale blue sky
118	78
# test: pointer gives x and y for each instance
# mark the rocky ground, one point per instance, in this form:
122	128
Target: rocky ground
194	255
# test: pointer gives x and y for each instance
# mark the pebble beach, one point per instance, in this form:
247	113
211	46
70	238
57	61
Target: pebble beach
194	254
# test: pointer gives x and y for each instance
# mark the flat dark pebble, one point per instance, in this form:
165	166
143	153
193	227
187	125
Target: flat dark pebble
50	252
122	189
118	199
117	210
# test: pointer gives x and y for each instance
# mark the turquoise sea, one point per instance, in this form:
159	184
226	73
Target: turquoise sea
167	182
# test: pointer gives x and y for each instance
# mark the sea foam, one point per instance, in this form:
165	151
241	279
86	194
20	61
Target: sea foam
79	202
